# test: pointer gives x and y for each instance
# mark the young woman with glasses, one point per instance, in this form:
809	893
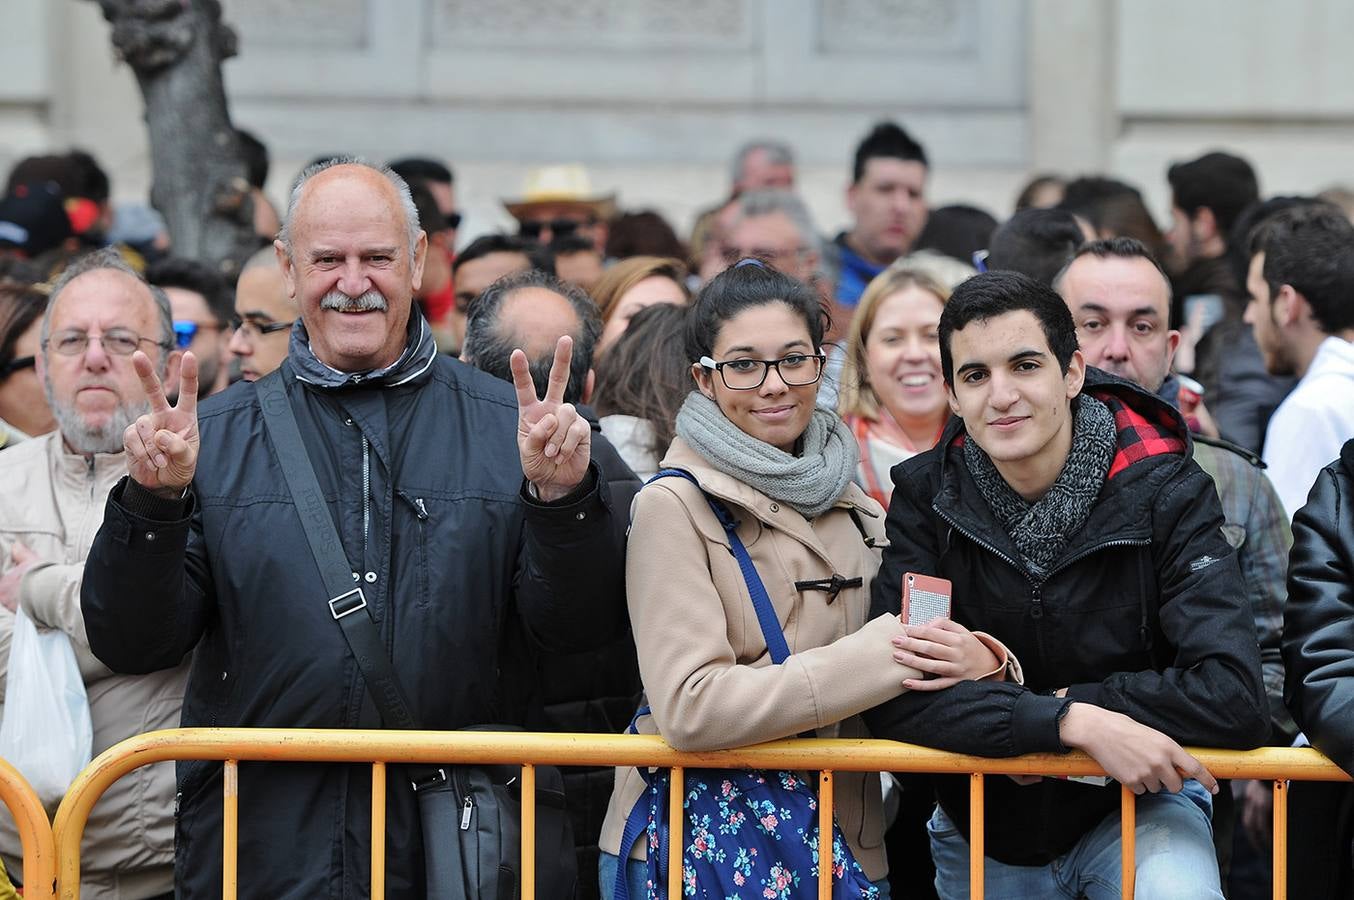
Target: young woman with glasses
753	440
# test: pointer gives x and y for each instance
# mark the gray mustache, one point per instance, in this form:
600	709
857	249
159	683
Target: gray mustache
340	301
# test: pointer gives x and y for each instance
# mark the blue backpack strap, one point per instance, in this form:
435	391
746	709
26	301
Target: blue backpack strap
761	602
636	823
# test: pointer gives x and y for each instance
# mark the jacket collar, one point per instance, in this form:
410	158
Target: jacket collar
412	366
77	470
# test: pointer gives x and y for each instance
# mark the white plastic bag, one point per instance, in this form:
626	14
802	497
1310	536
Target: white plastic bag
45	731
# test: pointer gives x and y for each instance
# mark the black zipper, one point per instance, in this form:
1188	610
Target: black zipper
1121	542
1037	585
984	544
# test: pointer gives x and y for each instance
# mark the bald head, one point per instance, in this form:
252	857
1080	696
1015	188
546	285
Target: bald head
532	310
534	319
361	171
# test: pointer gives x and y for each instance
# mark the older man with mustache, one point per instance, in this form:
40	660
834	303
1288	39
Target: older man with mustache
52	492
465	558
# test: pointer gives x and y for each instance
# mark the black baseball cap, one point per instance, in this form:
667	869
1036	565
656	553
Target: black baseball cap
33	218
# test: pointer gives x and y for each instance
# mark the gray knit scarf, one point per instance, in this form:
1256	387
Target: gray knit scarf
810	482
1041	529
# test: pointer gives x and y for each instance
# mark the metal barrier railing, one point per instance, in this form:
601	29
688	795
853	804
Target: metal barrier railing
377	748
35	833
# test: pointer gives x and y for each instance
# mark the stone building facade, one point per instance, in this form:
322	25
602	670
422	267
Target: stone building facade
654	96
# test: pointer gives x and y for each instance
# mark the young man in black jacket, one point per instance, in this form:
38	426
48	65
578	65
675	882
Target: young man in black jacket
1063	504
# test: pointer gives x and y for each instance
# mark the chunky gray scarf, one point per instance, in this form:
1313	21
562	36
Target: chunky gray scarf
810	482
1041	529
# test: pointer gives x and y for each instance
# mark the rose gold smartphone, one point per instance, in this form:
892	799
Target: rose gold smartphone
925	598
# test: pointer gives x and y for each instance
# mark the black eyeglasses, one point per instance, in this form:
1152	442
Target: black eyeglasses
255	328
18	364
184	332
796	370
117	341
558	227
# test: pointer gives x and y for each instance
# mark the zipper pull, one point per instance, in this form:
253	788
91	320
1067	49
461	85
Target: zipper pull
1037	610
466	810
416	504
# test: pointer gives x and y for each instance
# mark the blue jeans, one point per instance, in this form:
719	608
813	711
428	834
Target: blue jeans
1175	857
637	875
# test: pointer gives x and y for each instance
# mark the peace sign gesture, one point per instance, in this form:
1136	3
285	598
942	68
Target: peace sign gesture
162	445
554	441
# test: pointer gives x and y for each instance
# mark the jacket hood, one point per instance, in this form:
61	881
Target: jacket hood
1147	426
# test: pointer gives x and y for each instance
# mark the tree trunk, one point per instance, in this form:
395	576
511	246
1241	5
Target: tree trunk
198	183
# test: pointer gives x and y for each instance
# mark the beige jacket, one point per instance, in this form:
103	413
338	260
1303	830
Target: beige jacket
53	502
707	674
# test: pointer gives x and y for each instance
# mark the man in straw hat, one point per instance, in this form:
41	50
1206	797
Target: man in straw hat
557	201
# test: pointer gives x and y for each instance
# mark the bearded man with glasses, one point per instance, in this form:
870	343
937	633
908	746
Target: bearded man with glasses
52	492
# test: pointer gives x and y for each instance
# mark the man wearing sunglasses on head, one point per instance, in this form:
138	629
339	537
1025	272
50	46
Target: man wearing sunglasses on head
202	306
265	315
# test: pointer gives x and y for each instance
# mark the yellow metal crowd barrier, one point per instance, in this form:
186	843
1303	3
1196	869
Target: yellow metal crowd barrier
378	748
35	833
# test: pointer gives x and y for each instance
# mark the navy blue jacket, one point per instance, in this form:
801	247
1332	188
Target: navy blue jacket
464	574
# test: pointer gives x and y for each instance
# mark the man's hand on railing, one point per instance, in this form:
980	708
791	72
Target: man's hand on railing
1140	758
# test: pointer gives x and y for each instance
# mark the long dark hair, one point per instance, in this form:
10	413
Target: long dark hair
645	373
21	304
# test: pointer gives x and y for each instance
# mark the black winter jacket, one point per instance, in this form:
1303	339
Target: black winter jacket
1144	613
462	573
1318	632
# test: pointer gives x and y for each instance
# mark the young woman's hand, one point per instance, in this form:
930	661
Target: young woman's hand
944	649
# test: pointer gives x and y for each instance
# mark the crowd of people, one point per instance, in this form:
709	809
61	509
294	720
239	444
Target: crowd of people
570	469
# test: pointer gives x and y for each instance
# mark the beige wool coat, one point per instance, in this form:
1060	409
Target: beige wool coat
708	676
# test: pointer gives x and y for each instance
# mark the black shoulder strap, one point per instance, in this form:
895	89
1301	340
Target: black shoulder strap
347	603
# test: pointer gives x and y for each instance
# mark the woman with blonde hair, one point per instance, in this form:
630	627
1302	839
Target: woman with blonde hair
632	284
893	394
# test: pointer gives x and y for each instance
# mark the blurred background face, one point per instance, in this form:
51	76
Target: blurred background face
651	291
774	239
760	173
473	276
889	206
902	356
22	403
263	307
1260	315
1121	308
210	338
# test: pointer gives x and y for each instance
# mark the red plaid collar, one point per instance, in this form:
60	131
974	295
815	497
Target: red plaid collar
1152	431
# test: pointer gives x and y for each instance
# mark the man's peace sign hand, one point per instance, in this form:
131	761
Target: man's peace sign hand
554	441
162	445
